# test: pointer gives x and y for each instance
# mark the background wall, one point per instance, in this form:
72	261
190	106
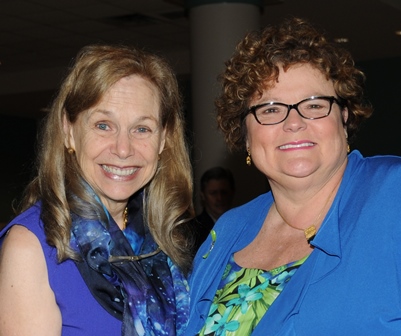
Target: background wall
17	138
379	135
382	132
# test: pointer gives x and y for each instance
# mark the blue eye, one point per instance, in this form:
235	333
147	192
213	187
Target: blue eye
102	126
142	132
142	129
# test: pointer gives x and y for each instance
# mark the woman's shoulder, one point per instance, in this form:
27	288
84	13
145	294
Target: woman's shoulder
382	166
19	238
24	275
251	208
30	219
386	159
376	178
30	226
22	246
248	215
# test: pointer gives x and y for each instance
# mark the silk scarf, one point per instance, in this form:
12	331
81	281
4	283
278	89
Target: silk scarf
149	295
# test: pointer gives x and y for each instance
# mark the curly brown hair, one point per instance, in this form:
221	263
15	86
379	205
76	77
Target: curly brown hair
255	64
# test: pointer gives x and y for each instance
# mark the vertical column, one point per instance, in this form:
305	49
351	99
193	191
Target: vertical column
216	27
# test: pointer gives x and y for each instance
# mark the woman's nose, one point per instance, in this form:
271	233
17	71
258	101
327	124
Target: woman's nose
294	122
123	147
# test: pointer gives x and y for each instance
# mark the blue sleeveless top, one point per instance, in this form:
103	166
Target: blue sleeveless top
81	314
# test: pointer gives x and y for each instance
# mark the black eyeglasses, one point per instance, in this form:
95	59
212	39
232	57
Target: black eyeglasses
315	107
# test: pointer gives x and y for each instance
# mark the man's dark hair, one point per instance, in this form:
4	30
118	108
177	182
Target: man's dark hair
217	173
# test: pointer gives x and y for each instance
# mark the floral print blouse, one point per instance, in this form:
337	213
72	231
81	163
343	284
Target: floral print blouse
244	296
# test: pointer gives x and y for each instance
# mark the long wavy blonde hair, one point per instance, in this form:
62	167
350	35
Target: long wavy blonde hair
59	184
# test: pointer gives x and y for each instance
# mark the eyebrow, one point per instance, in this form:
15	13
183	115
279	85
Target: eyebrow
282	100
101	111
110	113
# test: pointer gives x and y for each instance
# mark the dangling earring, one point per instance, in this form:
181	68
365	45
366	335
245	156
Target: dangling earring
348	148
71	150
248	158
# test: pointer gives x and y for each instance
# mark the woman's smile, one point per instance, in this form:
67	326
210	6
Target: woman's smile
297	145
118	172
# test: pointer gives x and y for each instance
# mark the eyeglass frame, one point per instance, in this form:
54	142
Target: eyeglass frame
331	99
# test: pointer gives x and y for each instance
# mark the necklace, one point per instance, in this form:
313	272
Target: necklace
310	231
125	217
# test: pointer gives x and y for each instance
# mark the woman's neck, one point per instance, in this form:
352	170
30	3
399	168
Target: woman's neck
304	204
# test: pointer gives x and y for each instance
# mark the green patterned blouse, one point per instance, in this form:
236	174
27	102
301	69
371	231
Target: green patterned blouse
244	296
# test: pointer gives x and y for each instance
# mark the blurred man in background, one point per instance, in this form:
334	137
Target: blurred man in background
217	194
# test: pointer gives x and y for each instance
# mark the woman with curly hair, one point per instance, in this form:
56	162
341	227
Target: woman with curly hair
100	246
319	254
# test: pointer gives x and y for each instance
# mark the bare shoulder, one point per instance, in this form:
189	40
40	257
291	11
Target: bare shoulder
20	237
21	253
28	304
21	249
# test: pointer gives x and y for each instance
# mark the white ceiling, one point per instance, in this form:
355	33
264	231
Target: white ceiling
39	35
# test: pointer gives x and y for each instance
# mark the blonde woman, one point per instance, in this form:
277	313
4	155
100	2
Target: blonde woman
100	246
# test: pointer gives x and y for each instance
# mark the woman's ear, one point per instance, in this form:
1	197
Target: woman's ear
344	114
68	134
163	141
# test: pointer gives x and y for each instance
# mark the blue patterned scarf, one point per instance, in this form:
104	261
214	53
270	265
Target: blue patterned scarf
149	295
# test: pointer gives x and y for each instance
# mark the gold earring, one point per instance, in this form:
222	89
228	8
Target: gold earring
348	147
71	150
248	158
